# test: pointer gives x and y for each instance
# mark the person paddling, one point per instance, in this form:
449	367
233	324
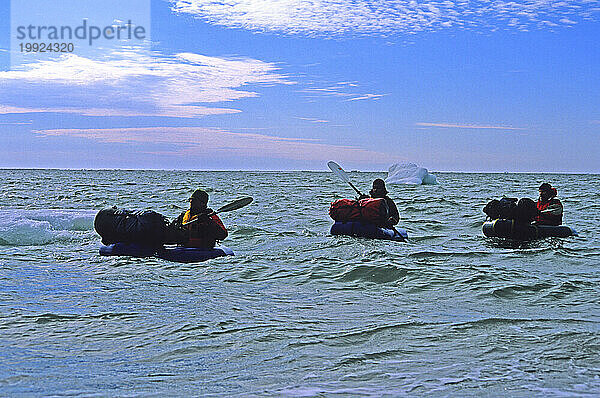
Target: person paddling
549	206
202	225
379	191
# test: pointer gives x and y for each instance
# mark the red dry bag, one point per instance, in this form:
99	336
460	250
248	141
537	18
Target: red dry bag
374	211
345	210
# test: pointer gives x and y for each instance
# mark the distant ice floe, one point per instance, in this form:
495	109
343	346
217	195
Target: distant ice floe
20	227
409	173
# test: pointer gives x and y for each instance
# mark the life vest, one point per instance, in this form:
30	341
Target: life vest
204	232
550	218
372	211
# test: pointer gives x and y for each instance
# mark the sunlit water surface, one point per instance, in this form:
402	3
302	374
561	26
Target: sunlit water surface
296	312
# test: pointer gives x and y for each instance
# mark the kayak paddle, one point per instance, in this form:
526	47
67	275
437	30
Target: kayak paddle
338	171
236	204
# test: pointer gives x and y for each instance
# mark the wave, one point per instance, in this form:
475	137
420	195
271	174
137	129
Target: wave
20	227
374	273
486	323
519	289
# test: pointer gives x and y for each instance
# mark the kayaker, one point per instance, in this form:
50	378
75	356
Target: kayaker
379	191
202	226
549	206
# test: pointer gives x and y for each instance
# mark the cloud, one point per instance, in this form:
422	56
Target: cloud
384	17
134	83
312	120
338	90
202	141
103	112
367	96
468	126
567	21
321	121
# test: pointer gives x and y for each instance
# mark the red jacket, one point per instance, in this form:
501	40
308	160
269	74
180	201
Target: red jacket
553	214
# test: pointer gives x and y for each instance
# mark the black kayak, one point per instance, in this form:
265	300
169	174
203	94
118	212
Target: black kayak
510	229
171	253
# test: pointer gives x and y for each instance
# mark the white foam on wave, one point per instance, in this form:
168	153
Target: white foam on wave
19	227
409	173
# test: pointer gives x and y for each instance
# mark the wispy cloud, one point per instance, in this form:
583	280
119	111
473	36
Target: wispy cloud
315	92
367	97
385	17
201	141
134	83
104	112
468	126
342	90
329	123
15	123
312	120
567	21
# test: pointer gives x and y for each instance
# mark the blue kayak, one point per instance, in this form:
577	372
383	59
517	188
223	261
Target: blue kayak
177	254
364	230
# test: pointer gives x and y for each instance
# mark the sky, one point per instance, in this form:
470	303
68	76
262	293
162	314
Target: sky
484	86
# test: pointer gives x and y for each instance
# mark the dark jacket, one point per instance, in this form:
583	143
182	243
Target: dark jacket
392	210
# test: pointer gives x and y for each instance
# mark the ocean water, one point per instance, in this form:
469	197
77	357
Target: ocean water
296	312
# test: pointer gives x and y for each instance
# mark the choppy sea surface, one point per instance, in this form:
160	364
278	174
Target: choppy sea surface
296	312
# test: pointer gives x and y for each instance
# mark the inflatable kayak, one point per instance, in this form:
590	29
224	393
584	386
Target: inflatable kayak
171	253
364	230
509	229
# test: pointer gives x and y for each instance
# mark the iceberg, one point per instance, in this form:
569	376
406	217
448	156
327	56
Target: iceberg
409	173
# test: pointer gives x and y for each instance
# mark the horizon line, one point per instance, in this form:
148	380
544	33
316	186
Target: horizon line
292	170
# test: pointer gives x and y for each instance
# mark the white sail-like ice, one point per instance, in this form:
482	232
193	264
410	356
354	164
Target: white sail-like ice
409	173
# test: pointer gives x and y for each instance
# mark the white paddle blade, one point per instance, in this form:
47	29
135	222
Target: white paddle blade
338	171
